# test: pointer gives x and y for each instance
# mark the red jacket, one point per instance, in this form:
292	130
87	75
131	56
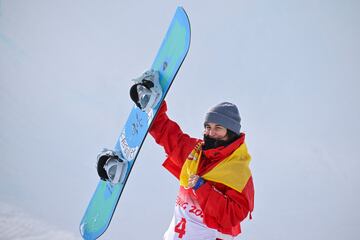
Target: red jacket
224	208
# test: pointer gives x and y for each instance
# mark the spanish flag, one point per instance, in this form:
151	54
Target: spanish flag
233	171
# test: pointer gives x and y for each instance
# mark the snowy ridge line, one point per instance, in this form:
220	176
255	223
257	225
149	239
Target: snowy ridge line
17	225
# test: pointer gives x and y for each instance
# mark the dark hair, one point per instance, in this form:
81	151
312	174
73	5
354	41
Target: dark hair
232	136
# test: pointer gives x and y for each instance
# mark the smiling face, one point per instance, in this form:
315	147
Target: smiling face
216	131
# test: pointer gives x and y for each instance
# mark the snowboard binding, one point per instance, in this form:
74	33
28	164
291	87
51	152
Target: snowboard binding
146	92
111	167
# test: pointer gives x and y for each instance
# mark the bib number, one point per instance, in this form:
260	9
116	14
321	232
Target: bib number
180	228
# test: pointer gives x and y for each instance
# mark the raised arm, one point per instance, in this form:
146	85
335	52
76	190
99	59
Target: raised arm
168	134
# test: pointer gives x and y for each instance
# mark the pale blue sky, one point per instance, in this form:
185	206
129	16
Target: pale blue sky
292	67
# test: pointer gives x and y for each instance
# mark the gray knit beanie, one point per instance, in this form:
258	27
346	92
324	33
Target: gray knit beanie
226	114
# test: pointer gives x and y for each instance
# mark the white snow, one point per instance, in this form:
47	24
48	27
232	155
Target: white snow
15	224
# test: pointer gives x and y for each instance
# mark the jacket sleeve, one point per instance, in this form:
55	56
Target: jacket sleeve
227	208
168	134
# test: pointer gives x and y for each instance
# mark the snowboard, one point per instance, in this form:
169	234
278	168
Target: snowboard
168	61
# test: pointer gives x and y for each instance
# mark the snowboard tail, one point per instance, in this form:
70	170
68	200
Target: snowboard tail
168	61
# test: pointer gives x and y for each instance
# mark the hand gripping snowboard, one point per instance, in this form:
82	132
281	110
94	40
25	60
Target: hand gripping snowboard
167	63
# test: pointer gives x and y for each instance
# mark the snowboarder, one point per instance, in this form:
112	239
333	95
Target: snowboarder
216	187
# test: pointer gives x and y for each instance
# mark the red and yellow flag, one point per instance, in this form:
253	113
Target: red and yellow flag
233	171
